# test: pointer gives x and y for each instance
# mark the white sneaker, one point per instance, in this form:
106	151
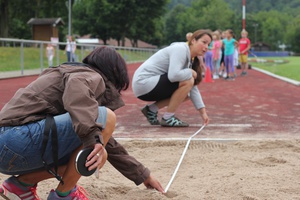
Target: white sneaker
215	76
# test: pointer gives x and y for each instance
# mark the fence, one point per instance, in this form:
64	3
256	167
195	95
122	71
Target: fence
269	53
31	53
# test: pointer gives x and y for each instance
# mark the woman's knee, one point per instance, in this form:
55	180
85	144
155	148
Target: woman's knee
110	125
111	117
188	83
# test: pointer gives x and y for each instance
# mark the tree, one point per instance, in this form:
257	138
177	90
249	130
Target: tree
272	25
293	34
148	23
4	17
212	14
118	18
175	26
203	14
15	14
92	17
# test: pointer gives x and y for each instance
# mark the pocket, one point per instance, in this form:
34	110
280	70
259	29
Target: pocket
11	162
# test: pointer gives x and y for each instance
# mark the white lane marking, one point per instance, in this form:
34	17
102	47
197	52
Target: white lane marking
209	125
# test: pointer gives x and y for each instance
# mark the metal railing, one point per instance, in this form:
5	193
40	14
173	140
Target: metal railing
130	54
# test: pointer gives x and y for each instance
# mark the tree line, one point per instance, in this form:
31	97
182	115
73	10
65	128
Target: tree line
158	22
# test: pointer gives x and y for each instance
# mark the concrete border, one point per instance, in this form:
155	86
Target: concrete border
18	73
291	81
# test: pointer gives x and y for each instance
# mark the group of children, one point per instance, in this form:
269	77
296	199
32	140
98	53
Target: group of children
226	53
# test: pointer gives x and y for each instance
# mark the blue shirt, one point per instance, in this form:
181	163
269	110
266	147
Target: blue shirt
229	46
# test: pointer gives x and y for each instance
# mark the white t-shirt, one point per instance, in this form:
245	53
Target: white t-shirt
71	45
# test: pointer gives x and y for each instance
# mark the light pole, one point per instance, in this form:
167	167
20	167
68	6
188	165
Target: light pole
69	6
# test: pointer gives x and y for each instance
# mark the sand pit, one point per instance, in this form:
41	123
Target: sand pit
247	170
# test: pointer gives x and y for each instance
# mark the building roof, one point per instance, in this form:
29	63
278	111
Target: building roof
88	41
259	44
46	21
140	44
112	42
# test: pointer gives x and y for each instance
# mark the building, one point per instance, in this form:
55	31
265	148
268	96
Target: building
86	39
45	28
260	46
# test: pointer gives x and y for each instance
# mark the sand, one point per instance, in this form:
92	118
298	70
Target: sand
246	170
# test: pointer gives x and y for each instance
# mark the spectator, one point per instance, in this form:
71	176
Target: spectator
244	47
50	52
229	45
70	49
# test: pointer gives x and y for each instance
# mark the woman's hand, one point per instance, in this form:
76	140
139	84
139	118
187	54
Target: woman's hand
152	183
97	157
194	74
204	116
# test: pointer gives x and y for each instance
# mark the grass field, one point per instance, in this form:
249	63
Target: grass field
10	58
291	69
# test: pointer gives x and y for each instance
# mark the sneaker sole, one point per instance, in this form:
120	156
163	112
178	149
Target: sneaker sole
167	125
178	126
9	195
4	197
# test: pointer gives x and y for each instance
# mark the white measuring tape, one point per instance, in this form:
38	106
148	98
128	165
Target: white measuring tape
182	156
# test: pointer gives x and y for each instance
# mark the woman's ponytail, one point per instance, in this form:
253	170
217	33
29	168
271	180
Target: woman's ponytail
196	66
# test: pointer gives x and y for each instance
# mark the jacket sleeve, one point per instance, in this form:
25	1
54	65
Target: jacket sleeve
126	164
80	101
178	67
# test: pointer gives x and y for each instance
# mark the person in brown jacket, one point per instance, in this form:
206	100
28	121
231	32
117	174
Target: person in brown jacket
67	108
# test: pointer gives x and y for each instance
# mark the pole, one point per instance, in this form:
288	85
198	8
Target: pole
70	15
244	15
22	57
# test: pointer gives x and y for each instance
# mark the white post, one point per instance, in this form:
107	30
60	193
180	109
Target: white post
244	15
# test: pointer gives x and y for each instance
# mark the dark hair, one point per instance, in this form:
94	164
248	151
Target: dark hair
196	63
199	34
196	66
109	62
231	32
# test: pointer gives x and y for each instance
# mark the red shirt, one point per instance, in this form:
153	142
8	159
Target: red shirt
244	43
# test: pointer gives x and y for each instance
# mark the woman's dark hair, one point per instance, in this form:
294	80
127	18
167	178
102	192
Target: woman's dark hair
196	66
109	62
196	63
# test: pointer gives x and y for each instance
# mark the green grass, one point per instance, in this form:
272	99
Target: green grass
10	60
290	69
10	57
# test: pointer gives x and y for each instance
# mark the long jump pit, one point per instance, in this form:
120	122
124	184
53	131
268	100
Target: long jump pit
250	150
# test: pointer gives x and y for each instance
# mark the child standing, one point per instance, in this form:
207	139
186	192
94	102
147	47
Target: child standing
244	46
235	59
216	54
50	54
208	58
229	43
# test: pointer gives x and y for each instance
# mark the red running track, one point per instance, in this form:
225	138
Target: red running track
255	106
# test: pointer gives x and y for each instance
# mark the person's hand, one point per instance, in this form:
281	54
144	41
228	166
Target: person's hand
204	116
152	183
97	157
194	74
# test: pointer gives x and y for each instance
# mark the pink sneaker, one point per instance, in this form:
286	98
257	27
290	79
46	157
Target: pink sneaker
78	193
13	189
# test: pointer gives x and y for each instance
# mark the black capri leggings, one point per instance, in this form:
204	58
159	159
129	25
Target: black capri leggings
163	90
